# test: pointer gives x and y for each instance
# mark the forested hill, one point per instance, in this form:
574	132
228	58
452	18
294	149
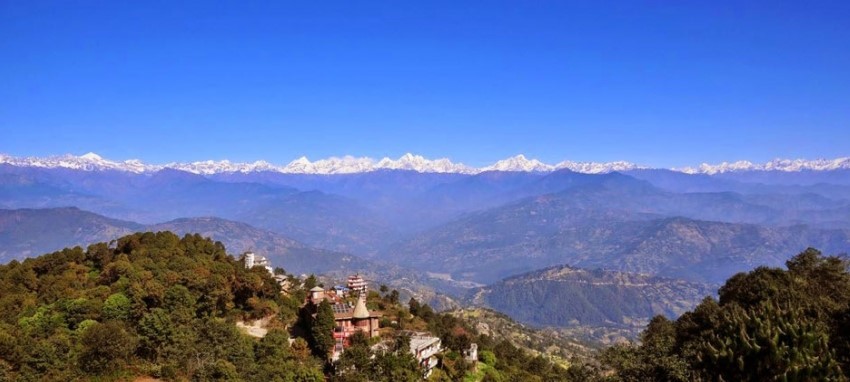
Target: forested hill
158	305
30	232
770	324
567	296
154	304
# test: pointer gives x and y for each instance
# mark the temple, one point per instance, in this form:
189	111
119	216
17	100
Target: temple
349	318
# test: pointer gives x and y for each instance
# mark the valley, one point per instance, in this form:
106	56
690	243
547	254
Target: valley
627	245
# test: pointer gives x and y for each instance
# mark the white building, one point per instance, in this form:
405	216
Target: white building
252	260
425	349
249	260
471	354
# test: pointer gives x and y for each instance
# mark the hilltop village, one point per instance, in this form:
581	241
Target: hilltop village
353	319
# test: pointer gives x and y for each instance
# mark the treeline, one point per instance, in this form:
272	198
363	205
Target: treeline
770	324
150	304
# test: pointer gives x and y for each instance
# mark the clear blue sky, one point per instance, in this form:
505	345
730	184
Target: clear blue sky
649	82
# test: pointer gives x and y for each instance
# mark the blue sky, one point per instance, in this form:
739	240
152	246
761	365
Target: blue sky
648	82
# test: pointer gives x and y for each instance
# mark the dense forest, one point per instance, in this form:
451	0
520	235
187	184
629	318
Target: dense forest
769	324
149	304
157	305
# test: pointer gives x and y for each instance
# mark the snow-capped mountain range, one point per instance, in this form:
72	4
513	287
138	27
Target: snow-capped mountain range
350	165
787	165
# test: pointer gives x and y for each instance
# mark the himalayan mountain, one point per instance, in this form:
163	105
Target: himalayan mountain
349	164
450	227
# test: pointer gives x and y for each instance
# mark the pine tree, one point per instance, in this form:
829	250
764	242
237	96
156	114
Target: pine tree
322	330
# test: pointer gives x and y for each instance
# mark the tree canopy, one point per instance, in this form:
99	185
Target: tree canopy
147	303
768	324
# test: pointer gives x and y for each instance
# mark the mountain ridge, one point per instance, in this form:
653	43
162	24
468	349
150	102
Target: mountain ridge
408	162
31	232
568	227
568	296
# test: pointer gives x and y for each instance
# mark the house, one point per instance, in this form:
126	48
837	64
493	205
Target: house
424	348
317	294
341	290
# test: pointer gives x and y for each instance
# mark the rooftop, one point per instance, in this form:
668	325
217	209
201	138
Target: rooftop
341	308
420	342
360	310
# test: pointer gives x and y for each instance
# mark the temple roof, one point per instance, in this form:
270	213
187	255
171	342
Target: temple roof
360	310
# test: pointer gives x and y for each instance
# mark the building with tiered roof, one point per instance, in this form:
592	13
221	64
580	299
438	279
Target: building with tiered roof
356	284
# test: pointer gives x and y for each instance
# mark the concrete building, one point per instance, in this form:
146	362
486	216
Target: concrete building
341	290
357	284
425	348
249	260
471	354
252	260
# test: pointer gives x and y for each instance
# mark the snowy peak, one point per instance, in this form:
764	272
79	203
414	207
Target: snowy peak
519	163
410	162
333	165
210	167
598	168
91	157
419	163
87	162
786	165
351	165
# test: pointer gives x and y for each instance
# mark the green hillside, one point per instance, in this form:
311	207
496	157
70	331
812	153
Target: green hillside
153	304
769	324
158	305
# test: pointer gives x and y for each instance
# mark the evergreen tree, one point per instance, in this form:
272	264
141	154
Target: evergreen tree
413	306
322	329
310	282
